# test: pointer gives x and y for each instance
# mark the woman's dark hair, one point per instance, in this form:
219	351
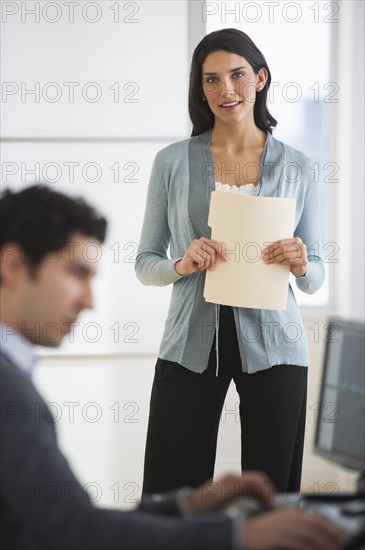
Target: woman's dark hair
41	220
235	41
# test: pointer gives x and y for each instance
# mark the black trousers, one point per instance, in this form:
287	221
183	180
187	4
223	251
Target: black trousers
185	411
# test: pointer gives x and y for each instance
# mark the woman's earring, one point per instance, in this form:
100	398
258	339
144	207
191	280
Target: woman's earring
204	98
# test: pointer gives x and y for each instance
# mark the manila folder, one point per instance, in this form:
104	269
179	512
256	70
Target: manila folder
246	225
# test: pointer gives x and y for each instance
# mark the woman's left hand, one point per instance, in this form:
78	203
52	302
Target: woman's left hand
291	252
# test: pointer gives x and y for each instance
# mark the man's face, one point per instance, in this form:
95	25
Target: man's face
61	288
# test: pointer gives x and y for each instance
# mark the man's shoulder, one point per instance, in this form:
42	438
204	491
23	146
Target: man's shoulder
9	368
15	383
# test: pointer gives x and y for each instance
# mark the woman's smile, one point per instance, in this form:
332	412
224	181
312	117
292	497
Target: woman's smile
230	105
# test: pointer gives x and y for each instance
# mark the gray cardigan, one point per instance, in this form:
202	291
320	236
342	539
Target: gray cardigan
178	197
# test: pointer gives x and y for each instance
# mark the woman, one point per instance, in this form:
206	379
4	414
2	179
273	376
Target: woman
264	351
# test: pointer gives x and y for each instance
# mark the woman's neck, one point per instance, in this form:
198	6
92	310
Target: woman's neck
235	137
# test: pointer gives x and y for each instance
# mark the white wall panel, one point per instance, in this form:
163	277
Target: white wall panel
141	52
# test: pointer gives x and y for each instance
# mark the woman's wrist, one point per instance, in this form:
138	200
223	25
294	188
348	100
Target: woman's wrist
176	269
302	274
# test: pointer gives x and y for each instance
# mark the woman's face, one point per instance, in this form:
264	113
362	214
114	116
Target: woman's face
230	85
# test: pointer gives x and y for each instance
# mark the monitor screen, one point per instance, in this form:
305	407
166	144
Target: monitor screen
340	426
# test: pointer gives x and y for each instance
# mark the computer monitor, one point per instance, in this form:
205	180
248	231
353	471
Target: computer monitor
340	423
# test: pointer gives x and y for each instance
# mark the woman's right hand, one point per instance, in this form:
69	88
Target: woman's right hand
200	255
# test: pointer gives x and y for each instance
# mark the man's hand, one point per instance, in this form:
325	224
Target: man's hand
288	528
291	529
212	496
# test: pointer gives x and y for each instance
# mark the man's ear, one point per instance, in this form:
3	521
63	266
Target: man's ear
12	263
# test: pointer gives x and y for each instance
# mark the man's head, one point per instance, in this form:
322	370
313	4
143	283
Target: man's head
48	248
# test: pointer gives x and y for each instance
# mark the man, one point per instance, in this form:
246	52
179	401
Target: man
45	282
